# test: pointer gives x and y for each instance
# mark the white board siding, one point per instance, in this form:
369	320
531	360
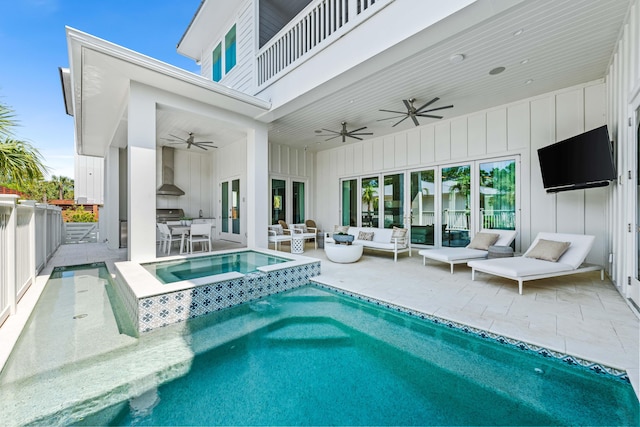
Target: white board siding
515	129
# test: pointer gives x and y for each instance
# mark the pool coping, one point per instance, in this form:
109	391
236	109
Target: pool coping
595	367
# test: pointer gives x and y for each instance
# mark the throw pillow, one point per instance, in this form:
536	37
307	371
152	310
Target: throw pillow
341	229
365	235
548	250
398	233
482	241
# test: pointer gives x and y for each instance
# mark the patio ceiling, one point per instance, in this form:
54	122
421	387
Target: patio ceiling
543	45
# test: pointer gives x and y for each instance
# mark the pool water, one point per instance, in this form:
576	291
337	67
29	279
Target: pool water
312	357
191	268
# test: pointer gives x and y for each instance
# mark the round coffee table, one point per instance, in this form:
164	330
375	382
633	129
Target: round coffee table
343	254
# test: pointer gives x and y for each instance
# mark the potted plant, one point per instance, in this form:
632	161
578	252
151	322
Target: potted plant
186	221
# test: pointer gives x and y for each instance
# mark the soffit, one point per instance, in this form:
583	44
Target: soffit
565	43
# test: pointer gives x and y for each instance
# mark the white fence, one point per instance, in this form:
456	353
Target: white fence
321	22
80	232
29	235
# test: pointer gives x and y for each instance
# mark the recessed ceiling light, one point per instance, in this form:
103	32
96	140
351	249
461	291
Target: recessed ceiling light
524	61
528	82
497	70
456	58
518	32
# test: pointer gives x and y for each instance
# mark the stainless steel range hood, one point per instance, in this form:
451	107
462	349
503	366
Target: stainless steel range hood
168	188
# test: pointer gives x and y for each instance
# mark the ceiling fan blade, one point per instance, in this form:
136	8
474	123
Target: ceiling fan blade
415	121
205	144
389	118
356	130
430	116
427	104
198	145
407	104
333	137
175	142
436	109
361	133
407	116
329	130
354	137
392	111
177	137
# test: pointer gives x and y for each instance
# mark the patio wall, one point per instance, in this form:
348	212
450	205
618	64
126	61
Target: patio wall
518	128
623	89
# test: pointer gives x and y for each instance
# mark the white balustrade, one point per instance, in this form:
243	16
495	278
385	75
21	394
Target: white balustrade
317	25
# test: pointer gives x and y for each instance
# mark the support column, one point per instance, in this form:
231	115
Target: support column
257	187
111	209
141	165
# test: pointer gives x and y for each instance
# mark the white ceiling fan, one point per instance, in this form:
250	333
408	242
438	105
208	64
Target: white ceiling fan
190	141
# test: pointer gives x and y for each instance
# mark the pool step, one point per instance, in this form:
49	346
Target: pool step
309	333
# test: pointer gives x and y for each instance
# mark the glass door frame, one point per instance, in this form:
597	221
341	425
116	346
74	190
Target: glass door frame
229	234
288	188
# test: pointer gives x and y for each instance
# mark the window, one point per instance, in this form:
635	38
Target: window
217	63
278	194
350	202
423	221
298	202
456	209
498	195
370	202
230	50
394	200
229	56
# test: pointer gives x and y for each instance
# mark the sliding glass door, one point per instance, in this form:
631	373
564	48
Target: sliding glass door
394	200
230	215
498	195
350	202
456	205
422	194
370	201
278	200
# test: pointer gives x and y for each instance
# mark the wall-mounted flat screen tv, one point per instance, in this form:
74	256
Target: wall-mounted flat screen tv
583	161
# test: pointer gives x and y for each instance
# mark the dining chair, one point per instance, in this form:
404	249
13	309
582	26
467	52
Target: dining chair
200	233
166	238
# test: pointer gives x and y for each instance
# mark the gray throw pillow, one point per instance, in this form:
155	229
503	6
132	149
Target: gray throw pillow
398	233
365	235
482	241
548	250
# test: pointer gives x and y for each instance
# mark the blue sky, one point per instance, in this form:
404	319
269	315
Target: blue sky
33	45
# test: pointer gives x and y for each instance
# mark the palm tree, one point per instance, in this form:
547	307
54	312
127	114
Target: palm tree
63	185
20	162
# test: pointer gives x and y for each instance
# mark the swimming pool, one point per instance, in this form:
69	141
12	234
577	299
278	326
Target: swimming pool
192	268
312	356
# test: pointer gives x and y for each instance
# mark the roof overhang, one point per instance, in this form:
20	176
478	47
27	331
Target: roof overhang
100	75
197	37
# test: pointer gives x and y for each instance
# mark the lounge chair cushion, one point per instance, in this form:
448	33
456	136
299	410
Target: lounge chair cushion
453	254
580	246
482	241
520	266
548	250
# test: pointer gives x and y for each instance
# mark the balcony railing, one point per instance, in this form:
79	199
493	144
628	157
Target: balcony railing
315	27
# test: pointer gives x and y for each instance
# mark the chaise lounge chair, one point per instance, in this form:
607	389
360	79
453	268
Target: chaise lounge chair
538	261
463	255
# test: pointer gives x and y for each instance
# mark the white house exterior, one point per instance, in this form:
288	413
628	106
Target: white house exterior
569	66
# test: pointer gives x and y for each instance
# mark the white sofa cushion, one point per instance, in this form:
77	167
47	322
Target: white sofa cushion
453	254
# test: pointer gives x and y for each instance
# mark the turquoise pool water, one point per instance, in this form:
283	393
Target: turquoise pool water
312	357
209	265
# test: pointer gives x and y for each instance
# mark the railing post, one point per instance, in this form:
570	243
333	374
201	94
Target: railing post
32	238
11	245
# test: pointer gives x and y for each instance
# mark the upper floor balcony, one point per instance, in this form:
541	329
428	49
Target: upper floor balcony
315	28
